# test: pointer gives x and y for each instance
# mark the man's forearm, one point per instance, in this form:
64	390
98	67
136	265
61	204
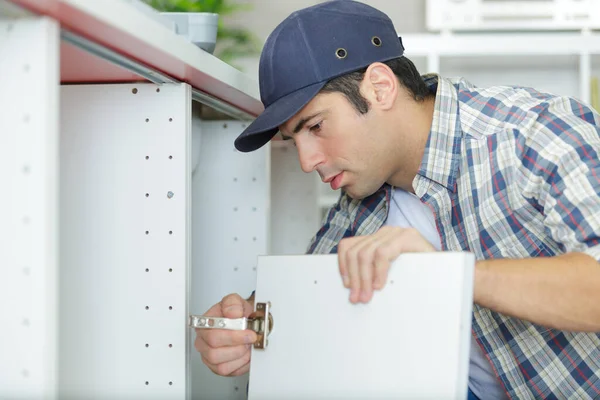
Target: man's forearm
561	292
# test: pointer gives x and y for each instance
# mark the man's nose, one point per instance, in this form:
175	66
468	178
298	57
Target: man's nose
308	154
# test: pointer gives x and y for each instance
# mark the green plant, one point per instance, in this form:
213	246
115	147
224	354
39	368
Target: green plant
232	42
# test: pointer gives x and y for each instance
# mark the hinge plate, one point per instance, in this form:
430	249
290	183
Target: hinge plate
255	322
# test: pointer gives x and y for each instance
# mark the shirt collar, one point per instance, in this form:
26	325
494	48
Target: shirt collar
442	153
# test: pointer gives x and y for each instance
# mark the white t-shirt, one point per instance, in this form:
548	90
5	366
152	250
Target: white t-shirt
407	210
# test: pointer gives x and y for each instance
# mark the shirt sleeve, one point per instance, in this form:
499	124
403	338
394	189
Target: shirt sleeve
570	193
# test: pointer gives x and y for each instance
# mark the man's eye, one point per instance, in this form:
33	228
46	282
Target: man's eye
316	127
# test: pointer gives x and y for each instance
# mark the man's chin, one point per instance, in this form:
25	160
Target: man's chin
355	194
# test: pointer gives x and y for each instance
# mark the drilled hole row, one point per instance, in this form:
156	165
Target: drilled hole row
26	220
236	239
135	90
236	269
148	157
148	383
148	307
169	195
148	269
236	209
148	119
235	179
148	232
26	169
148	345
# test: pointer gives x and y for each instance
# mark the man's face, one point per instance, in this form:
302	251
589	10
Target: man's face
345	147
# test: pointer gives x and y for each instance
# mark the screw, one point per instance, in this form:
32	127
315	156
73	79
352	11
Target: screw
170	195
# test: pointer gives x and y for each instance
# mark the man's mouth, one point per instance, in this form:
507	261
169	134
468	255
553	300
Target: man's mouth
335	181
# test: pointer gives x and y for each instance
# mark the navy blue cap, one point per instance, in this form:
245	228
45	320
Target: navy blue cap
309	48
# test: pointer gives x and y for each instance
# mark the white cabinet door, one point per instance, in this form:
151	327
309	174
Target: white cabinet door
411	341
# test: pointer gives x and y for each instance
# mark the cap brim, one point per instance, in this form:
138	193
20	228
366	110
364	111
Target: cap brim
266	125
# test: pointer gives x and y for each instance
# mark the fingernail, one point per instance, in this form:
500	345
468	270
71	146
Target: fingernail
247	339
346	280
353	295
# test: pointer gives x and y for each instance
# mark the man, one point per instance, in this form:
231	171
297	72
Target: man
424	163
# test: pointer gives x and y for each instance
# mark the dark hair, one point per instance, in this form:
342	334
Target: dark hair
403	68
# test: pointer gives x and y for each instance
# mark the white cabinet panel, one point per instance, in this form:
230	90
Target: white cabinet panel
28	207
125	253
230	228
323	346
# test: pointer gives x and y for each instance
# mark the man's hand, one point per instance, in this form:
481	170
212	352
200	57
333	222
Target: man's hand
227	352
364	261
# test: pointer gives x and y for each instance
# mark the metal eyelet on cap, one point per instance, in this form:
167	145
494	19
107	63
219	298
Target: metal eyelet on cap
376	41
341	53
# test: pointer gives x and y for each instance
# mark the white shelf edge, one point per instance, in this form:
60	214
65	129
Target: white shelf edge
477	44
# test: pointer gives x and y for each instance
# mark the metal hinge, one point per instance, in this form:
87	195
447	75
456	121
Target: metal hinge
255	322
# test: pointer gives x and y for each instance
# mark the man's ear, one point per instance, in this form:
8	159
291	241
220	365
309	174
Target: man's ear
380	86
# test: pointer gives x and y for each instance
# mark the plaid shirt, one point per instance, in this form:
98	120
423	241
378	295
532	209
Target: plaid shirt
508	172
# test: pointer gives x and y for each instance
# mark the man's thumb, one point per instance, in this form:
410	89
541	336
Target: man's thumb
232	306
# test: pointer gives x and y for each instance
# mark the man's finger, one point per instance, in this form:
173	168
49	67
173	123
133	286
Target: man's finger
214	311
382	261
366	266
241	371
222	355
343	247
351	258
226	369
224	337
232	306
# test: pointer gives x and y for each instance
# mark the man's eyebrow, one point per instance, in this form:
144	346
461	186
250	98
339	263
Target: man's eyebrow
284	137
300	125
303	121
